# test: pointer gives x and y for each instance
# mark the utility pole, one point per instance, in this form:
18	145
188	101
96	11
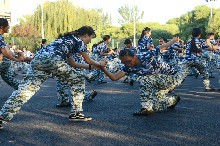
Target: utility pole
134	42
211	4
42	17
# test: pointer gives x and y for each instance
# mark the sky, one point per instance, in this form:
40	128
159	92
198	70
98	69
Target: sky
154	10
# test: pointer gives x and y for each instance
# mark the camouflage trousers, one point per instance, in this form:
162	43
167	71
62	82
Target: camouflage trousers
63	90
96	73
154	89
209	60
193	71
219	78
41	66
25	67
7	73
175	63
115	65
133	77
218	67
198	64
217	60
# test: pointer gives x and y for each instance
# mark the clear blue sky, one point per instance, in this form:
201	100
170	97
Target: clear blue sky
154	10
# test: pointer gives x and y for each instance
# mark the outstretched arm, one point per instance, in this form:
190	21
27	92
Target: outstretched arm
215	47
113	77
105	54
72	63
209	44
92	62
9	56
166	45
10	52
211	47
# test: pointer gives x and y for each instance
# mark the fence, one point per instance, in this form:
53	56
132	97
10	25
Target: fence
33	43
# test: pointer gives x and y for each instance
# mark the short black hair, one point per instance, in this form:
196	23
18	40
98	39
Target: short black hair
44	41
3	22
165	40
127	41
126	52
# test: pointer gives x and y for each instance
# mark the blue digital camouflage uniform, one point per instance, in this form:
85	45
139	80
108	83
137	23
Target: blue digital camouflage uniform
63	90
171	57
114	64
6	72
133	77
157	78
218	56
194	60
208	58
218	62
51	59
26	65
98	73
145	41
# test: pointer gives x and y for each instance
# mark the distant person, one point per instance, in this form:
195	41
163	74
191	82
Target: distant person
26	64
208	55
129	44
194	49
44	43
145	41
133	77
99	53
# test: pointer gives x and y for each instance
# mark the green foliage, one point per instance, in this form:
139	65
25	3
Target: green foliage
200	17
62	16
128	13
156	34
214	23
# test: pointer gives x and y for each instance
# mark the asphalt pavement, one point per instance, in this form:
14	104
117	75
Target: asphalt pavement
194	122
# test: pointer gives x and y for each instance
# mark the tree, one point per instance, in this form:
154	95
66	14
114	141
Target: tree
28	30
128	13
214	23
62	16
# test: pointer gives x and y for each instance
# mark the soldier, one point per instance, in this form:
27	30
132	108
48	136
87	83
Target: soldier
145	41
156	78
129	44
194	48
99	53
63	90
208	56
56	58
7	57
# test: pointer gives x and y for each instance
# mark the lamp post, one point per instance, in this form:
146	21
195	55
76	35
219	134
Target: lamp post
42	22
117	44
211	6
134	42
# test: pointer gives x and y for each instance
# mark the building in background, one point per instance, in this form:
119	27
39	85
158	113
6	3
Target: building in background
5	11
